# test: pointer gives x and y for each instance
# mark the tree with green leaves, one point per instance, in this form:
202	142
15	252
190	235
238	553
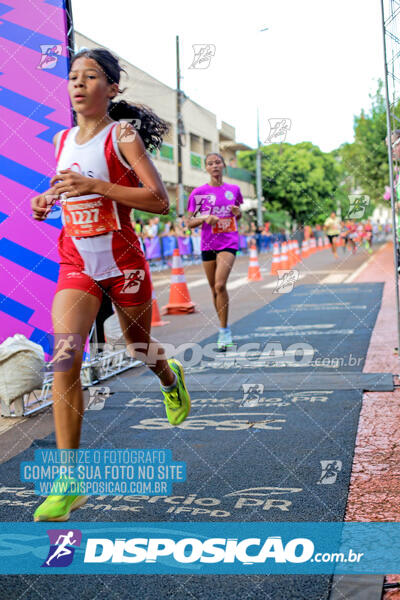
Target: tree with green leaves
366	159
298	179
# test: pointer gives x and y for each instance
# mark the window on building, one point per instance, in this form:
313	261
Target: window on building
196	152
207	147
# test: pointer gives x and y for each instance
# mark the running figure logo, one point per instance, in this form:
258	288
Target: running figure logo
251	394
358	204
128	129
97	397
204	204
50	54
133	279
62	542
286	280
65	345
330	471
278	129
202	56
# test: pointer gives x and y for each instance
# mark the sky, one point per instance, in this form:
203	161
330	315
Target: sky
316	63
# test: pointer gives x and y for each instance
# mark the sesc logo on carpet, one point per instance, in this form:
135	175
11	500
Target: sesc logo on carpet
62	542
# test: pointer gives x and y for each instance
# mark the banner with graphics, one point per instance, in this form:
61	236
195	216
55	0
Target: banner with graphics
34	106
199	548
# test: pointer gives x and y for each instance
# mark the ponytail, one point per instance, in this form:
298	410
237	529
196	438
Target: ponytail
151	128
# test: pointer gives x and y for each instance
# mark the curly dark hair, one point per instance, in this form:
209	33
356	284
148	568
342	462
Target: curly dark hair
151	128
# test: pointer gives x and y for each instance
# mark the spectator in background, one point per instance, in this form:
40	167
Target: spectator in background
307	232
298	234
155	226
282	232
166	229
318	234
147	230
138	227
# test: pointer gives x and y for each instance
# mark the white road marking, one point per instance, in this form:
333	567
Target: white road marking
232	285
335	278
197	283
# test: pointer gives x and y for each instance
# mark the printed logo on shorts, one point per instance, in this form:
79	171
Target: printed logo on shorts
229	195
133	279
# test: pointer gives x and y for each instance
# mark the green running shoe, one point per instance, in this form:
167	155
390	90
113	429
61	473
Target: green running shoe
56	507
177	402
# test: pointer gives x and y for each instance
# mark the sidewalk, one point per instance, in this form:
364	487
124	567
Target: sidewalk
375	481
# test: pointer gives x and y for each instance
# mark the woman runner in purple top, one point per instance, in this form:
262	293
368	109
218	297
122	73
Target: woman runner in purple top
215	207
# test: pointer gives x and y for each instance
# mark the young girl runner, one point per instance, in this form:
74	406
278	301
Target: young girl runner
215	206
100	163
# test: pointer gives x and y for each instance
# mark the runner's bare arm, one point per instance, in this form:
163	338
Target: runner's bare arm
193	222
40	204
236	212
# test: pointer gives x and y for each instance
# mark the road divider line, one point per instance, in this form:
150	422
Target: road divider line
335	278
232	285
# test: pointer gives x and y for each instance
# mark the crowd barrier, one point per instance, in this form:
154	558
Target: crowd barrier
159	249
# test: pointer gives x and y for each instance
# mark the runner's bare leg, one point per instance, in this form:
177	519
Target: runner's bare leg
73	311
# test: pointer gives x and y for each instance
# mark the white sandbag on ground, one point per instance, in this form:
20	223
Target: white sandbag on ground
22	366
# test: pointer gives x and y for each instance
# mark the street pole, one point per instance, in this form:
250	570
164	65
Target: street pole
179	120
258	177
260	220
391	176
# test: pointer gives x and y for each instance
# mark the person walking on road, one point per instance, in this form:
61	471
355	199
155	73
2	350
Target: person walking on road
100	164
332	228
215	207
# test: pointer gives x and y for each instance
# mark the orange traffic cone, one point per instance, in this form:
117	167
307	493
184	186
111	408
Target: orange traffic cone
313	246
296	252
327	244
254	273
179	297
276	260
156	320
284	257
292	254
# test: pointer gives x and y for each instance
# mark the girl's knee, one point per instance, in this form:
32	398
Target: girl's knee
220	287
